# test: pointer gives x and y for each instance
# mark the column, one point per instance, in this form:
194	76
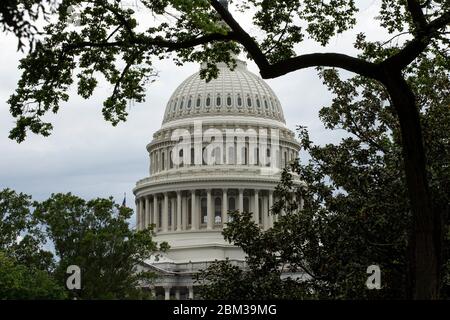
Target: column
172	214
241	200
209	213
178	210
194	217
155	212
142	213
191	293
224	207
256	207
167	293
165	213
264	212
147	212
184	211
270	207
138	214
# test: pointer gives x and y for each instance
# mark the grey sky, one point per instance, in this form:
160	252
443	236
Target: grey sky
87	156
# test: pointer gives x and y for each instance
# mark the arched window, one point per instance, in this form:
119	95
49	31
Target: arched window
246	204
231	204
218	210
192	157
208	101
245	155
180	154
170	160
198	101
265	104
258	103
181	104
218	101
249	102
257	156
163	161
189	103
204	211
203	158
229	101
239	101
175	105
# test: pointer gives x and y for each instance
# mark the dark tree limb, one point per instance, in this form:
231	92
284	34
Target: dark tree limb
425	238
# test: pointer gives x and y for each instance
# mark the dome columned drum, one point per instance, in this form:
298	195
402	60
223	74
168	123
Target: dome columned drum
221	147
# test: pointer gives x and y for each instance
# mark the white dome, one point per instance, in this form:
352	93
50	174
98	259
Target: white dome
238	92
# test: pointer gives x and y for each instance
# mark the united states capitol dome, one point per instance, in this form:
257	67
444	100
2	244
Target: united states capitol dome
221	148
237	92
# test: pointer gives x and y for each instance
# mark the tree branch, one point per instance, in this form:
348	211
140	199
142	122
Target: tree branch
300	62
414	47
336	60
417	15
242	36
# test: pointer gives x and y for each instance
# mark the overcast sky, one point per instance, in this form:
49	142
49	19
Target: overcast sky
90	158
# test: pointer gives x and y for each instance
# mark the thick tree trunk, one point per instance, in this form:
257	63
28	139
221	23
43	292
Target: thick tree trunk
425	238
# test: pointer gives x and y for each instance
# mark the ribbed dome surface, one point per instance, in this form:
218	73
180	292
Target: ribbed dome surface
238	92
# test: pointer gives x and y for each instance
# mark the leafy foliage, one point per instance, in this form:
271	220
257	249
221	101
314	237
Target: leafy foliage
88	39
26	268
93	235
356	212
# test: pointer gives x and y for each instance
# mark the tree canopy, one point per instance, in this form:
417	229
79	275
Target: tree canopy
110	38
94	235
88	39
356	212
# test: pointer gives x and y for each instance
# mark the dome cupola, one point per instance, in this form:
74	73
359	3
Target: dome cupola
237	92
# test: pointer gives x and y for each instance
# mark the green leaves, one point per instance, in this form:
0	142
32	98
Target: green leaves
22	282
356	211
94	235
104	38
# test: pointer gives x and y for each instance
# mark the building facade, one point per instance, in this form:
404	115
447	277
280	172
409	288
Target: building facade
221	147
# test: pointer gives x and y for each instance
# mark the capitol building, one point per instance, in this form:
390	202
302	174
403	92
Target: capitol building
221	147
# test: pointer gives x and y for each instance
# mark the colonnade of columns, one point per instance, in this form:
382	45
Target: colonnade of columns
202	209
160	158
168	292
